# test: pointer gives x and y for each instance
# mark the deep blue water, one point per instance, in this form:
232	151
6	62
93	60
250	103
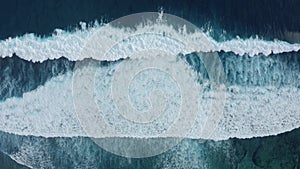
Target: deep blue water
266	18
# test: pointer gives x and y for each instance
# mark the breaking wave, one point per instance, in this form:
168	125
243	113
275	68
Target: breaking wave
70	43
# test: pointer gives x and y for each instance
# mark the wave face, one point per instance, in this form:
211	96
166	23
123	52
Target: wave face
19	76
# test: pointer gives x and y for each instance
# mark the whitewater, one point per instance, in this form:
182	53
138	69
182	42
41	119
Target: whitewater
249	112
70	44
48	111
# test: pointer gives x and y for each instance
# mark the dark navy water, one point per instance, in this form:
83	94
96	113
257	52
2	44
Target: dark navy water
266	18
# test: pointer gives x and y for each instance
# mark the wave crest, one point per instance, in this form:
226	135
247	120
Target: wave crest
69	44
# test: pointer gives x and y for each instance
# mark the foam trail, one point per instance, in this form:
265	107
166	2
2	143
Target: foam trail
70	44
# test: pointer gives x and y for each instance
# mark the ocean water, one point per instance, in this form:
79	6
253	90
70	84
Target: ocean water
268	152
245	18
41	43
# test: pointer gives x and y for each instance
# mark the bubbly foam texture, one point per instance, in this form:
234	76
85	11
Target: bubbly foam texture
70	44
249	112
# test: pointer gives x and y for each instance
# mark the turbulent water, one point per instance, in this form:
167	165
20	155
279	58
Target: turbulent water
259	126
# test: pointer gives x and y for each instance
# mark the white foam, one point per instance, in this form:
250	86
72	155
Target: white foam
249	112
70	44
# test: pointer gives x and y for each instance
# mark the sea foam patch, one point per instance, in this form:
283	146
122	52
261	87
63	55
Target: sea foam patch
249	111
